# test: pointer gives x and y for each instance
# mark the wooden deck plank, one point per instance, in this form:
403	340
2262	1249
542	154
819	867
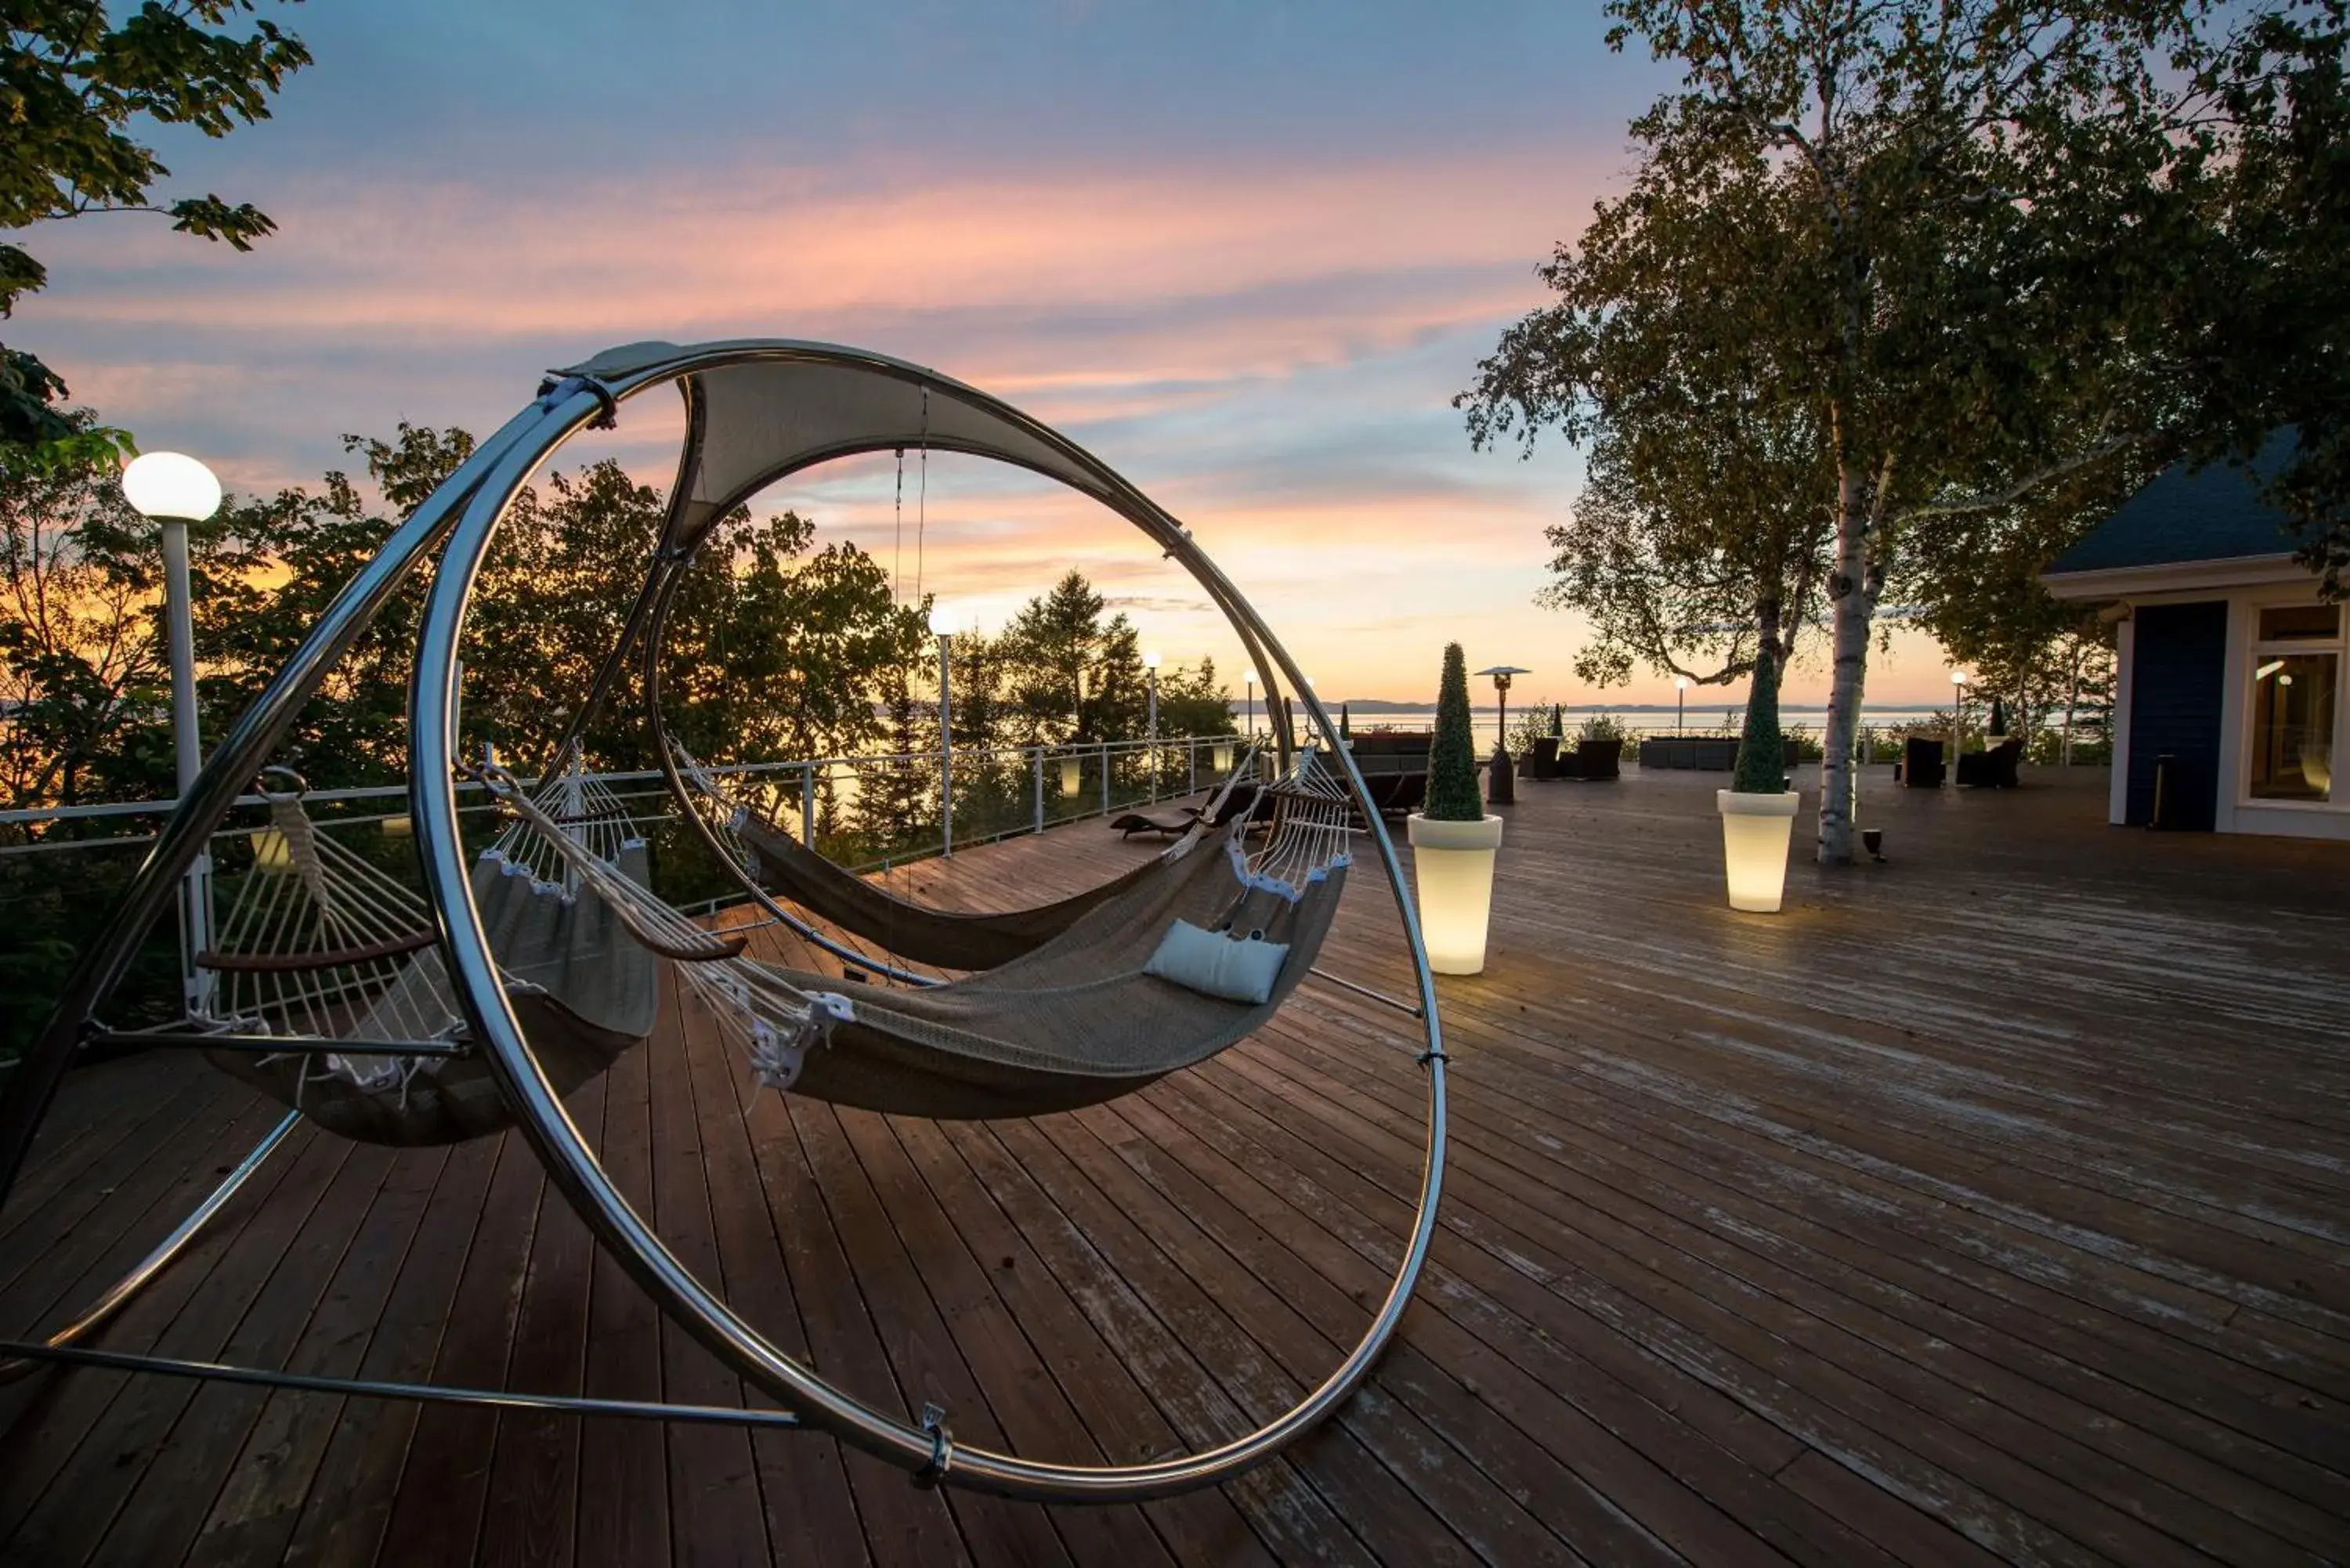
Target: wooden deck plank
811	1513
1780	1253
1983	1206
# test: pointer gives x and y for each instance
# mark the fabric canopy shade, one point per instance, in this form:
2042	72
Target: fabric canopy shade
755	420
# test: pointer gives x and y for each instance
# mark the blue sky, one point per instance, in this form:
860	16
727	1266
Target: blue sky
1246	253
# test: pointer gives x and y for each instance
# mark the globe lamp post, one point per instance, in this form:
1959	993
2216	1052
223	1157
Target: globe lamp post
174	491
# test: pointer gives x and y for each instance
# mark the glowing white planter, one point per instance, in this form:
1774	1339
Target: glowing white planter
1755	830
1452	867
1070	776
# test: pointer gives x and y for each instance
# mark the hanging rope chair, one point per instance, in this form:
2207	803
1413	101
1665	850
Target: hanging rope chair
560	923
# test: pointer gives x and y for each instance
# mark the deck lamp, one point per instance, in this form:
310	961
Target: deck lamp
1680	702
943	628
175	490
1249	679
1959	681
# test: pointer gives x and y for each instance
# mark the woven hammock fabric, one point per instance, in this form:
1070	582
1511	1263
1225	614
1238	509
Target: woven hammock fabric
943	938
1074	1022
585	989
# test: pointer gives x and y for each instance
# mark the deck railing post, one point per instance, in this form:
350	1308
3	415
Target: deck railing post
1036	783
1105	776
808	806
1191	765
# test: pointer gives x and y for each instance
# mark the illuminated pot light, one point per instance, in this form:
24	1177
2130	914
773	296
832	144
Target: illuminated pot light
271	853
1452	874
1223	756
1072	775
1756	831
398	828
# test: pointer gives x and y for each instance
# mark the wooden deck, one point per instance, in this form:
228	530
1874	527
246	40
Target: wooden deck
1988	1204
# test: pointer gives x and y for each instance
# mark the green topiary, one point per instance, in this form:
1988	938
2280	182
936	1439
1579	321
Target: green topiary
1559	720
1763	750
1345	725
1452	754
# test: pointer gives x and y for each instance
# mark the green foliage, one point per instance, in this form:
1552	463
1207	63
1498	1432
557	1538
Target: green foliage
2262	295
1452	752
1761	749
1905	265
1601	727
74	87
1192	701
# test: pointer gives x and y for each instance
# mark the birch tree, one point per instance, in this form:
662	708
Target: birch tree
1966	215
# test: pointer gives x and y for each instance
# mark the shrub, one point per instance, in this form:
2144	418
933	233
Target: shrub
1762	751
1452	754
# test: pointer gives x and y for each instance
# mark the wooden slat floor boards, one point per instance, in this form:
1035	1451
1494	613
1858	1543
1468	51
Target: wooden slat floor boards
1989	1205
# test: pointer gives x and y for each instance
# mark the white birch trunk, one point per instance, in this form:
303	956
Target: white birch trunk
1855	597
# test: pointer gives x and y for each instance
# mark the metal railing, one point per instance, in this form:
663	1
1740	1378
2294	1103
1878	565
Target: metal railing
866	813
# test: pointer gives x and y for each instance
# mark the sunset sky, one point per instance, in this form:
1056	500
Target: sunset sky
1246	253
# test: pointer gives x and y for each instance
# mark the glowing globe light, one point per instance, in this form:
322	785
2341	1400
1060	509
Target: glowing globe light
169	484
943	620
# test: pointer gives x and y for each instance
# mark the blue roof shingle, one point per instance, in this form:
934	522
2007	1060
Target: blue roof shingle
2210	514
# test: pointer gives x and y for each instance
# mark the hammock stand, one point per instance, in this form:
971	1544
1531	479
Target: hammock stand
757	410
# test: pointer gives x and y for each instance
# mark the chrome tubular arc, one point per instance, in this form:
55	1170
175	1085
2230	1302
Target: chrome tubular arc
25	1099
921	1450
119	1294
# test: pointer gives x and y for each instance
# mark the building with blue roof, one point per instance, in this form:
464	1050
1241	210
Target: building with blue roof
2230	695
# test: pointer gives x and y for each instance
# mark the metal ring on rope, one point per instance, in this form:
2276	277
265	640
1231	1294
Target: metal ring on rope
543	1118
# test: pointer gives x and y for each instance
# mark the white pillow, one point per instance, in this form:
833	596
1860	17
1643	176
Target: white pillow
1239	969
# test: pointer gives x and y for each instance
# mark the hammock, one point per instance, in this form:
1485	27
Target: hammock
322	944
945	939
1074	1022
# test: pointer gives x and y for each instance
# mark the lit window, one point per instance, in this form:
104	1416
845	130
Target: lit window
2292	725
2296	702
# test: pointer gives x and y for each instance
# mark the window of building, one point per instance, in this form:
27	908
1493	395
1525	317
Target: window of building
2296	701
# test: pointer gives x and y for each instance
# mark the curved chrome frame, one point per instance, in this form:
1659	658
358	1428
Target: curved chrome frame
467	510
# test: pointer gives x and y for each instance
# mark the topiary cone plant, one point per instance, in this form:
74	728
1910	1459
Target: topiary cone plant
1453	841
1758	809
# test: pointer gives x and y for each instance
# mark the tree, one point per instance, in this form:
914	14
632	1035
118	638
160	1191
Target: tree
1453	749
73	86
1697	544
2264	302
85	705
1971	228
1192	701
1987	608
1072	674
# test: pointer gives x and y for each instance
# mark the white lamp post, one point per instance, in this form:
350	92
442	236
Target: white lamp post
1681	702
943	625
1959	681
176	491
1150	668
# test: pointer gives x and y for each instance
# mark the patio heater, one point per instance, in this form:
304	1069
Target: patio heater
1500	788
175	491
